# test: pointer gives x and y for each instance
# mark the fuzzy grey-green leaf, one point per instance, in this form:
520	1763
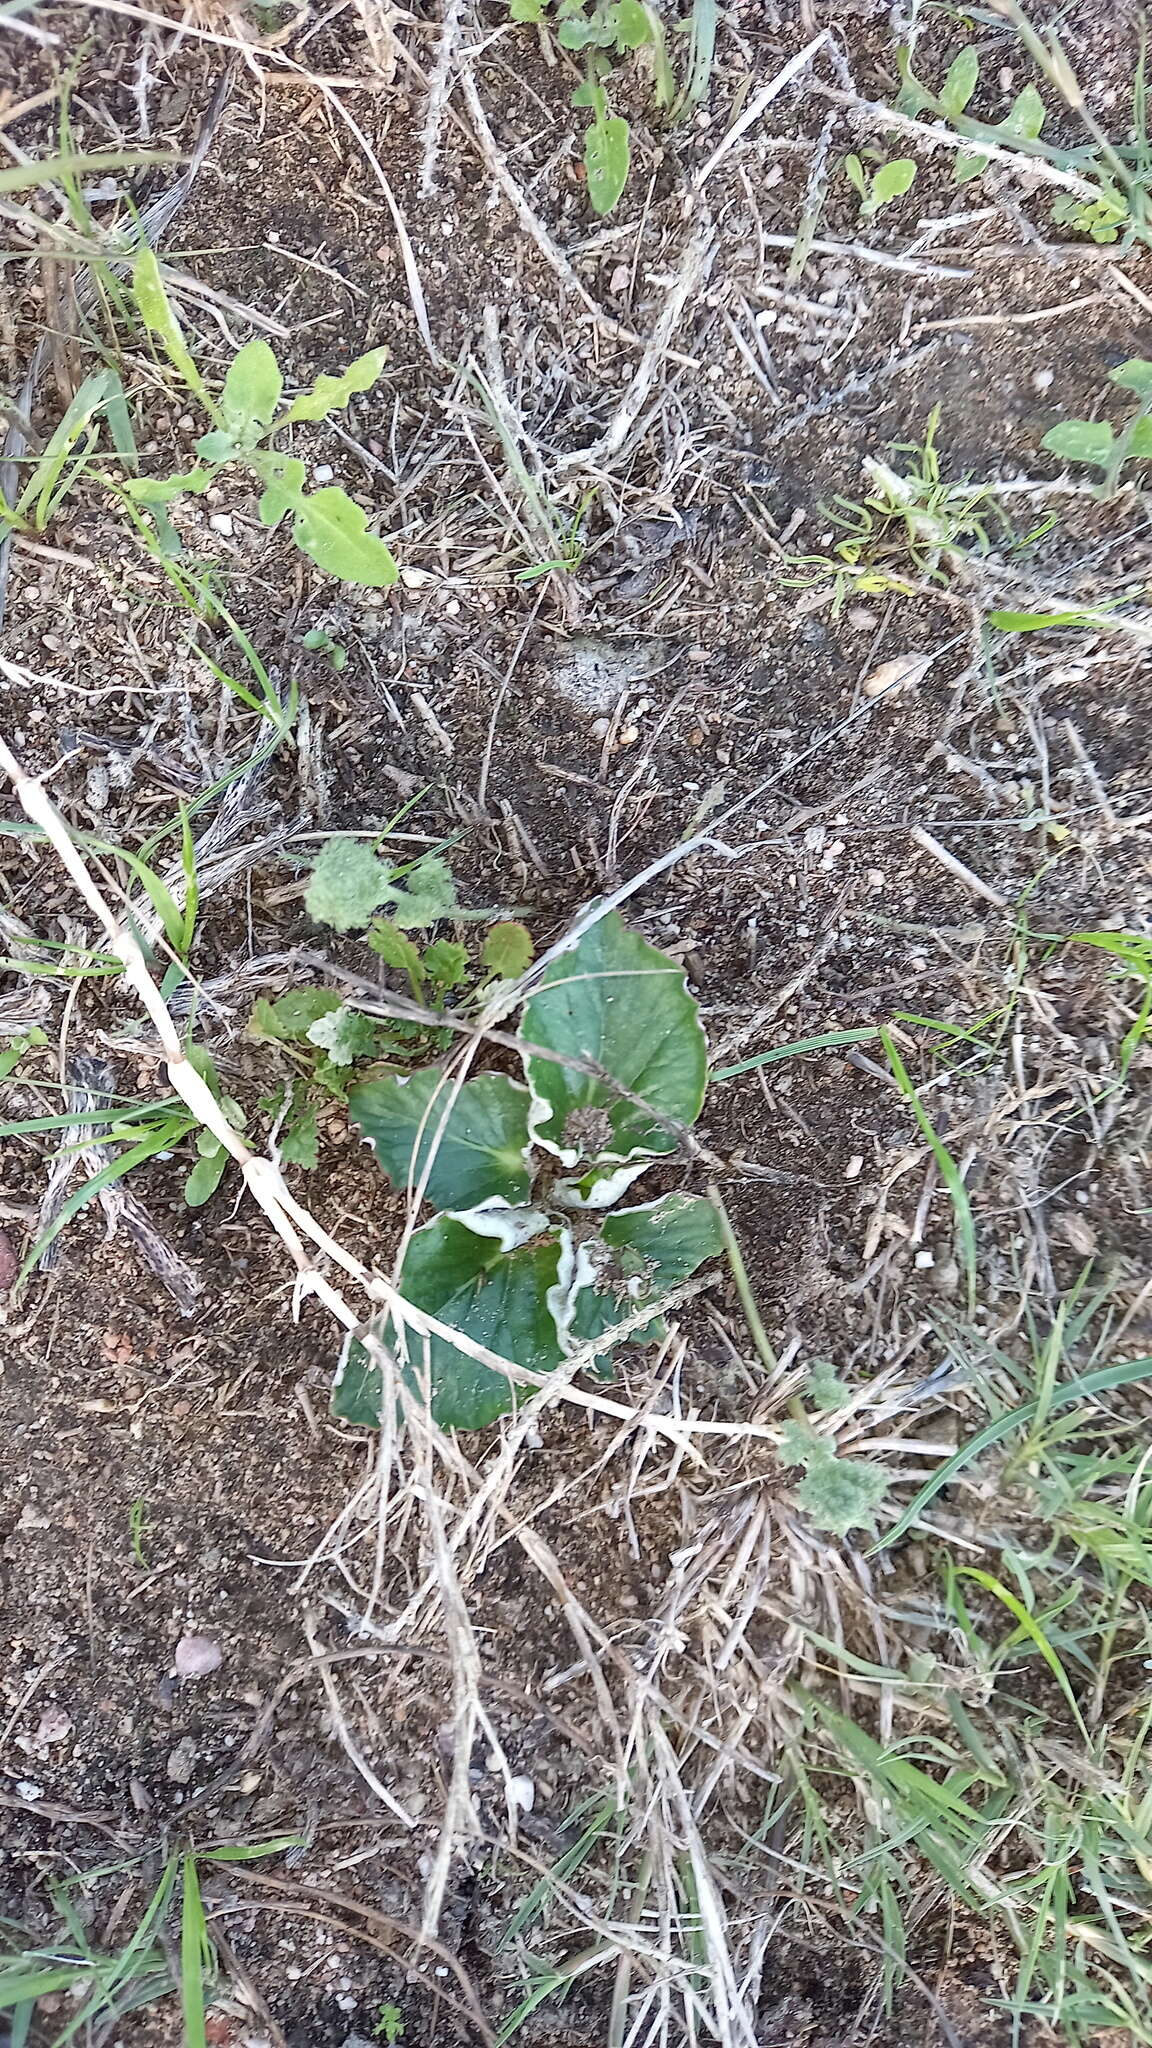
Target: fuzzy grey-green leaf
331	528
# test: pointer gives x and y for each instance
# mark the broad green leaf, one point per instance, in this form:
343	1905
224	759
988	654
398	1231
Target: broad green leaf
345	1035
893	180
205	1177
616	1001
1080	441
291	1016
913	97
960	83
1026	117
333	530
856	175
968	166
1134	375
331	394
251	390
498	1298
155	310
527	10
284	490
218	445
607	155
638	1256
426	895
1139	442
478	1144
633	28
508	951
348	883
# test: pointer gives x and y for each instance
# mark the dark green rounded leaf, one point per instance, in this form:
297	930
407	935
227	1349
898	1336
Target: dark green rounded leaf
641	1253
616	1001
478	1143
497	1298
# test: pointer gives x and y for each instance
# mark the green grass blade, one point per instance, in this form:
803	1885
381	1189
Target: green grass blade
53	170
195	1956
1028	1625
793	1051
1105	1381
135	1155
949	1172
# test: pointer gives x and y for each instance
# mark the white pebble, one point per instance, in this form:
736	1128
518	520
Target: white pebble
196	1656
323	473
523	1793
855	1166
221	522
923	1260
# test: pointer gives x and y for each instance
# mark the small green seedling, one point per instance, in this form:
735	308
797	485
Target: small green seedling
327	524
320	641
879	187
523	1261
389	2027
1119	173
601	30
327	1041
1096	443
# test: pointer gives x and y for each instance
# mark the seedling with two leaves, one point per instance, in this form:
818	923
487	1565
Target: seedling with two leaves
880	187
601	30
1099	445
528	1259
327	524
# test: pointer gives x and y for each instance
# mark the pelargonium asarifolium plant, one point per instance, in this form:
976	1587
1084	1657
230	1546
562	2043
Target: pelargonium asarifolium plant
528	1255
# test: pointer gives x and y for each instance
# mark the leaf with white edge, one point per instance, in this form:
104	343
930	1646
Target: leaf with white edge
478	1144
331	394
284	489
348	884
498	1299
427	894
640	1254
1134	375
291	1016
333	530
607	156
345	1035
612	999
1080	441
507	951
251	390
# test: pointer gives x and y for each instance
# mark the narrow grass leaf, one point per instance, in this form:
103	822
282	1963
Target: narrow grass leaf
949	1171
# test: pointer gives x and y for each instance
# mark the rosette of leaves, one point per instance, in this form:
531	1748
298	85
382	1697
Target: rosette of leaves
528	1259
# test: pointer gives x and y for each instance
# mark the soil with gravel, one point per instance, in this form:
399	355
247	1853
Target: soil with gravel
169	1475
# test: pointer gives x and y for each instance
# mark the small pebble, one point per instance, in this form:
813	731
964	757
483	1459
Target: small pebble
924	1260
221	522
855	1166
196	1656
323	473
54	1726
182	1761
523	1793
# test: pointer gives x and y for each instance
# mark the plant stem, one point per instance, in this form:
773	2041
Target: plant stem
735	1258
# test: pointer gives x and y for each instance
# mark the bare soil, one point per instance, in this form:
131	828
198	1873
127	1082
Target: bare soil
169	1474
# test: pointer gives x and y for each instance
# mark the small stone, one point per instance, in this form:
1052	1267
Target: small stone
54	1726
197	1656
903	672
31	1517
923	1261
221	522
25	1789
182	1761
9	1263
855	1166
522	1792
323	473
